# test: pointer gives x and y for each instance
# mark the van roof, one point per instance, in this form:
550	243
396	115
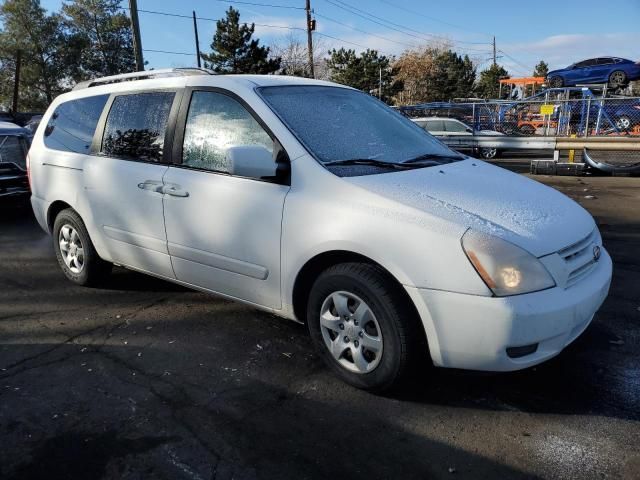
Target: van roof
177	78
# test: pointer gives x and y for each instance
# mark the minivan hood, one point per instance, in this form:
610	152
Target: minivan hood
491	199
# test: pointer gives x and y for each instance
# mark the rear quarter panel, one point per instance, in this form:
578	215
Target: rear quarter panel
58	176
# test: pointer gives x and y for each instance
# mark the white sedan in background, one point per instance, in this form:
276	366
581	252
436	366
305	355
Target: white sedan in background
446	127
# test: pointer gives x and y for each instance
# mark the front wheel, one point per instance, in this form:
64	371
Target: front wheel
527	130
488	153
623	123
75	252
362	326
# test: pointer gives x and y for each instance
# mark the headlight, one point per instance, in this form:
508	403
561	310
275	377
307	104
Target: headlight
504	267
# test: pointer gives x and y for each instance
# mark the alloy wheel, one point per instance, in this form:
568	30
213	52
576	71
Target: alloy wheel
488	153
71	248
617	78
351	332
623	123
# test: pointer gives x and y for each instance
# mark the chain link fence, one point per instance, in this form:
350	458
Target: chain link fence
583	117
556	114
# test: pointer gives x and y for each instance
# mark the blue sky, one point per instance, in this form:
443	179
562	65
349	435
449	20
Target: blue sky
560	32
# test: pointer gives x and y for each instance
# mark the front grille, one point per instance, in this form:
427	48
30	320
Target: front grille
579	258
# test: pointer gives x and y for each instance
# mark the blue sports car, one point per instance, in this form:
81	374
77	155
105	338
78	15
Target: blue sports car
612	70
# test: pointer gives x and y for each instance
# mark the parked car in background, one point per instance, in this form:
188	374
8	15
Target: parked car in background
615	71
442	128
33	123
14	145
319	203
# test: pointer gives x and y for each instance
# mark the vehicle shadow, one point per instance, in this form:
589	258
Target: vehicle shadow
108	423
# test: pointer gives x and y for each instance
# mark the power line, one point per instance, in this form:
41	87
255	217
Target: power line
344	41
395	26
429	17
168	14
526	67
255	4
170	53
363	31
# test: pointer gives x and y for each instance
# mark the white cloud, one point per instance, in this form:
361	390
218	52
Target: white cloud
560	51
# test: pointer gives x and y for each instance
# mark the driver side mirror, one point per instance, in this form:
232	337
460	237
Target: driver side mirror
253	161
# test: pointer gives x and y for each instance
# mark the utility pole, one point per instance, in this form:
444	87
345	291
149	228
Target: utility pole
380	85
16	82
494	51
311	26
135	27
195	31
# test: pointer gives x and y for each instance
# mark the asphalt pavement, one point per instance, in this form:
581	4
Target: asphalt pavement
144	379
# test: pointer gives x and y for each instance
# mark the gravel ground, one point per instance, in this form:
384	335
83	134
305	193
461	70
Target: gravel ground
145	379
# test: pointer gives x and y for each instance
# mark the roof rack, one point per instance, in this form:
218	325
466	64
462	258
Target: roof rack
144	75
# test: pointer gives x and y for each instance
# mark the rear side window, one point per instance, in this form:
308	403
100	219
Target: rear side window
73	123
136	126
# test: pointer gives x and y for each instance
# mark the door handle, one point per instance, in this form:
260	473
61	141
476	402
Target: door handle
150	185
174	191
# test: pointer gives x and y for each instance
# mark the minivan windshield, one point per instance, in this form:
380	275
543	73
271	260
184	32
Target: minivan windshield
341	126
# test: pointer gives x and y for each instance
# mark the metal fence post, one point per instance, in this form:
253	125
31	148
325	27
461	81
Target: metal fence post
586	125
474	124
601	106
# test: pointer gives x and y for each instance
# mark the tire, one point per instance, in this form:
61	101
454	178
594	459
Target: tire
556	82
489	153
75	252
617	78
624	123
527	130
375	352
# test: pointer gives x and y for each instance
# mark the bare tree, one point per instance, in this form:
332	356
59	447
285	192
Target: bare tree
416	69
292	50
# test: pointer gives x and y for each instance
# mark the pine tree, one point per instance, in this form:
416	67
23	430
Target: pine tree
233	50
453	76
26	26
541	70
100	38
488	85
363	71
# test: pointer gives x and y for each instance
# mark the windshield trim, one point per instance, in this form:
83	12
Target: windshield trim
258	91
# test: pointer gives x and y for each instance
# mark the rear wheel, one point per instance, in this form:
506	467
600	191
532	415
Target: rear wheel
75	252
361	325
623	123
556	82
617	78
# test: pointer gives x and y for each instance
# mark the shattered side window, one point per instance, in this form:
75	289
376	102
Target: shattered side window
215	123
136	126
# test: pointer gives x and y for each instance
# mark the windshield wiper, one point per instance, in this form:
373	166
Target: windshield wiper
434	158
366	161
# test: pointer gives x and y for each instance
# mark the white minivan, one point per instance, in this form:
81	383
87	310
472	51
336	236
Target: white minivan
318	203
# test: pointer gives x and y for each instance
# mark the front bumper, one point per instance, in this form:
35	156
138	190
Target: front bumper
473	332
